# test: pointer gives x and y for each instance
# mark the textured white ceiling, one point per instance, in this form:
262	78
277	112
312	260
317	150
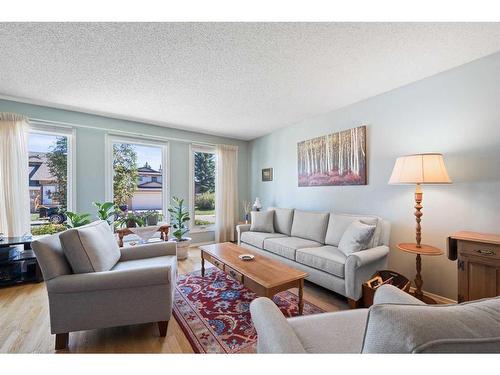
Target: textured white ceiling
241	80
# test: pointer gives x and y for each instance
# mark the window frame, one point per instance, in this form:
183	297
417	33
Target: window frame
70	133
110	139
209	149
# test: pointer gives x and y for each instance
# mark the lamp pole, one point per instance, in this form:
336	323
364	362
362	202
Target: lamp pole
418	213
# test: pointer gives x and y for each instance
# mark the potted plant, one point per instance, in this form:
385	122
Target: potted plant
105	211
130	220
77	220
179	217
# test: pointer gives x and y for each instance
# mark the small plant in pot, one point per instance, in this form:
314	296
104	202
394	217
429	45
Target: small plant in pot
129	220
77	220
179	217
105	211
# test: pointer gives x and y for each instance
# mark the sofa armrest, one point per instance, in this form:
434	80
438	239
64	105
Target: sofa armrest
150	250
240	229
391	294
360	266
109	280
274	333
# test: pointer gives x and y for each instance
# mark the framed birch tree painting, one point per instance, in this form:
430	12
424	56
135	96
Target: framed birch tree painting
333	159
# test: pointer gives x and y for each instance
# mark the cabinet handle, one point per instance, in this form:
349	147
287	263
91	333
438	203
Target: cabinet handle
485	252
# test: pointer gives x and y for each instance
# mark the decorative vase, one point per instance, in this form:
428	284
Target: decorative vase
182	247
257	204
247	218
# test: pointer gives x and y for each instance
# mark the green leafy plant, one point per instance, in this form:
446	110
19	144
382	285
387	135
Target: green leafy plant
129	220
179	216
205	201
57	162
126	174
105	211
47	229
204	172
77	220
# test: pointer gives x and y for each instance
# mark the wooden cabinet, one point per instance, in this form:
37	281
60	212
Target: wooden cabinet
478	263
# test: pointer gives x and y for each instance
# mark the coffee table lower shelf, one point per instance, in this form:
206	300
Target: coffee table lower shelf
252	284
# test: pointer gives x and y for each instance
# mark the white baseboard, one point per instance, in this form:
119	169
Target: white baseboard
436	297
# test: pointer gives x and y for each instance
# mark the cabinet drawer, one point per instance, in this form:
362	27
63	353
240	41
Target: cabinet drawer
234	274
217	263
482	250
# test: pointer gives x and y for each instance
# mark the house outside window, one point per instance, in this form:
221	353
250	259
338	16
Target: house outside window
50	177
137	181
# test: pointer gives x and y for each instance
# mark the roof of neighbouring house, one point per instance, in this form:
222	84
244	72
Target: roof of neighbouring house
148	170
150	185
42	173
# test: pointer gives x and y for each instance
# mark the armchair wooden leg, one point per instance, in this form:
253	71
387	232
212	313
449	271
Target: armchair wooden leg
355	304
62	340
163	326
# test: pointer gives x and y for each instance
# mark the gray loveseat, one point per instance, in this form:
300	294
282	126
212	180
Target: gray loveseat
309	241
396	323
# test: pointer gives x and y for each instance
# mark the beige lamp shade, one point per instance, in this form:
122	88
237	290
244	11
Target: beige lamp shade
420	169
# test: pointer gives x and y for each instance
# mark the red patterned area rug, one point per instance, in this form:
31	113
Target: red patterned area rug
213	311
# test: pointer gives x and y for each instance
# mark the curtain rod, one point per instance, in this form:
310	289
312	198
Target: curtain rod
38	121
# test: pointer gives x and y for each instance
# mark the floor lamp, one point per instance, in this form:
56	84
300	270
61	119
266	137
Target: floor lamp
417	170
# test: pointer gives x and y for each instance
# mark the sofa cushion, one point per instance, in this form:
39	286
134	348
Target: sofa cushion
90	248
257	238
431	328
356	237
262	221
287	246
336	332
283	218
325	258
310	225
338	224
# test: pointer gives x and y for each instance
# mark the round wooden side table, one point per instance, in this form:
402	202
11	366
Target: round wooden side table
422	250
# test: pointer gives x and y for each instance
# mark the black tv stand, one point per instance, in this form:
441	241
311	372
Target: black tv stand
18	263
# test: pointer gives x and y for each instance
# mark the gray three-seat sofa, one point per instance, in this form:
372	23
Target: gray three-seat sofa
309	241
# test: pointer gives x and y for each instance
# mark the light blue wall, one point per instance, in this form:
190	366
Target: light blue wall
456	112
90	152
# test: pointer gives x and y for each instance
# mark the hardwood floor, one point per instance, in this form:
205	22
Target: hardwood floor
25	328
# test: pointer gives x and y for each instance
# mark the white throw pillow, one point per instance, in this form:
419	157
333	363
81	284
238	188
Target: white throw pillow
262	221
356	237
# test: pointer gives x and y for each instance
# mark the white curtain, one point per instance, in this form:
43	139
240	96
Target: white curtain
14	190
226	191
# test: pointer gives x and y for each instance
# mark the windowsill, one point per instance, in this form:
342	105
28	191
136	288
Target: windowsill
202	230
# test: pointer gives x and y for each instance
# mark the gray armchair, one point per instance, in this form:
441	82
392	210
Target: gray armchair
396	323
91	283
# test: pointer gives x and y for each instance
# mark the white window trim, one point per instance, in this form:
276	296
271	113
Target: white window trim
164	145
193	147
70	133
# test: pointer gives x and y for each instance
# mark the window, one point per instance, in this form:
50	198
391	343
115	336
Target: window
203	187
50	178
137	181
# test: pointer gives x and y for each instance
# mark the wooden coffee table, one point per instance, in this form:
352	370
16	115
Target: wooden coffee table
263	275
